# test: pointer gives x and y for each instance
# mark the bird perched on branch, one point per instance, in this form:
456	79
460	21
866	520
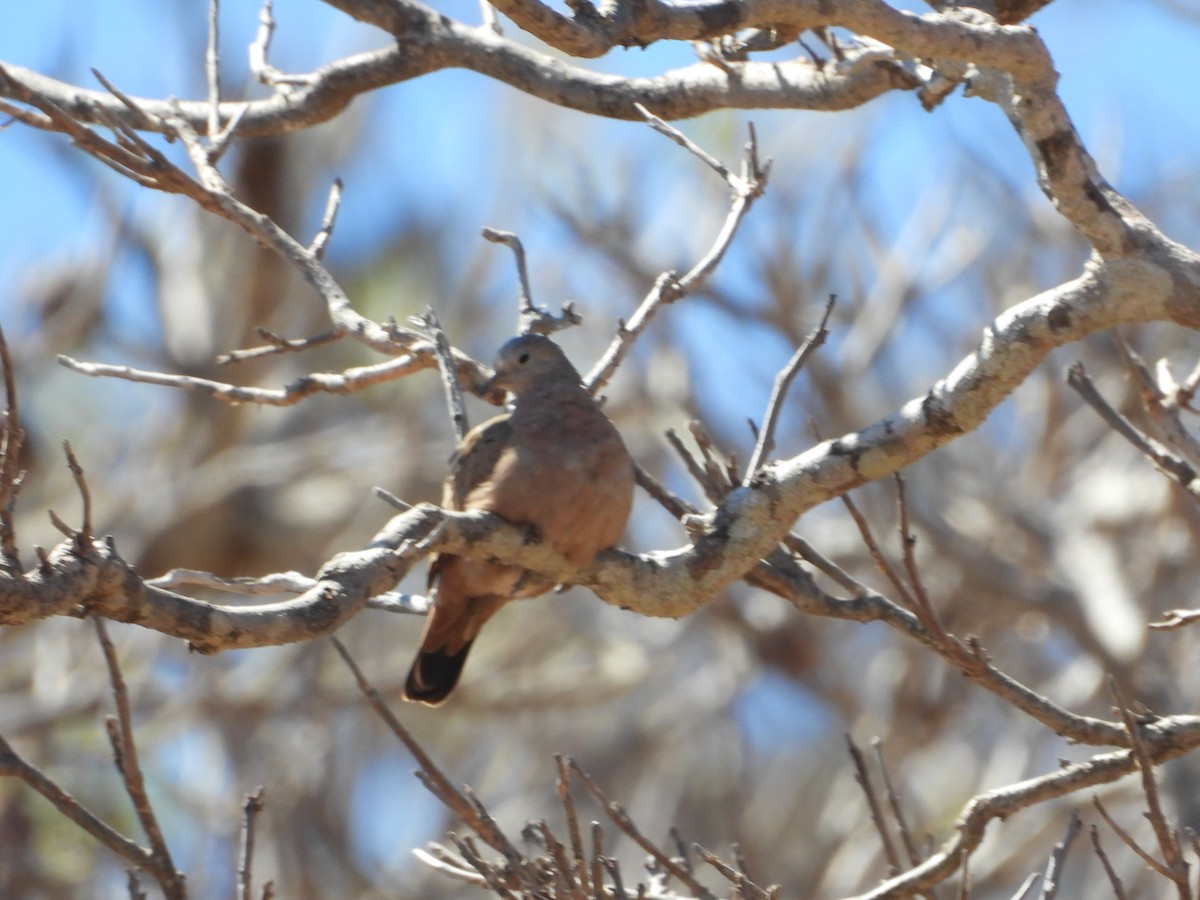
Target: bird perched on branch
555	463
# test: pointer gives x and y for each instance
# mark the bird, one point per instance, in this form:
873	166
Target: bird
554	462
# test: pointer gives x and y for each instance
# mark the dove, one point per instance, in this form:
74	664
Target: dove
554	463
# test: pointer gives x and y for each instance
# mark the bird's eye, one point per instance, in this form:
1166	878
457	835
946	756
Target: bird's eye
523	358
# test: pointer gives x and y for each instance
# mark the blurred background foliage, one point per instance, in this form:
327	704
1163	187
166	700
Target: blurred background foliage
1042	532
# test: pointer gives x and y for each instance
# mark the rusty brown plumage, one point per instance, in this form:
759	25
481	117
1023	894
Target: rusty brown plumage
555	463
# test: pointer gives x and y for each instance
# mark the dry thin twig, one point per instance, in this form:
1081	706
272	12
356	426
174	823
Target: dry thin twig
531	318
863	777
1113	878
431	776
250	809
766	435
429	323
12	439
621	819
125	755
1169	463
910	847
1128	840
747	187
320	241
1168	841
11	764
1053	879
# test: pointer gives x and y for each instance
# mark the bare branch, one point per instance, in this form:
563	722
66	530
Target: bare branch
321	241
276	583
250	809
345	382
1168	842
1053	880
668	288
14	766
12	439
212	69
120	733
531	318
1113	879
1170	464
620	818
864	781
431	776
275	344
428	323
766	435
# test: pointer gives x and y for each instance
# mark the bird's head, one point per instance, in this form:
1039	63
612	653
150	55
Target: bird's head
531	360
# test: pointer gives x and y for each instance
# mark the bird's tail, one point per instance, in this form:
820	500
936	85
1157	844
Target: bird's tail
434	674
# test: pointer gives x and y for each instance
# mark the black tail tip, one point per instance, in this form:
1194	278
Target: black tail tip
434	675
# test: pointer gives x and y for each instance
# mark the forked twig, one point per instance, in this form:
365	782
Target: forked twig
621	819
1176	868
125	755
863	777
531	318
668	287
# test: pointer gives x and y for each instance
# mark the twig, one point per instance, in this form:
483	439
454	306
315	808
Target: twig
563	786
863	777
531	318
344	382
494	836
84	536
447	867
125	755
1128	840
250	810
672	133
13	765
1027	885
621	819
668	288
1176	868
766	435
1053	880
261	47
12	439
1176	618
276	344
212	70
275	583
1170	464
321	241
908	542
1113	878
876	554
466	849
430	775
134	158
745	887
428	322
400	602
597	854
910	848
